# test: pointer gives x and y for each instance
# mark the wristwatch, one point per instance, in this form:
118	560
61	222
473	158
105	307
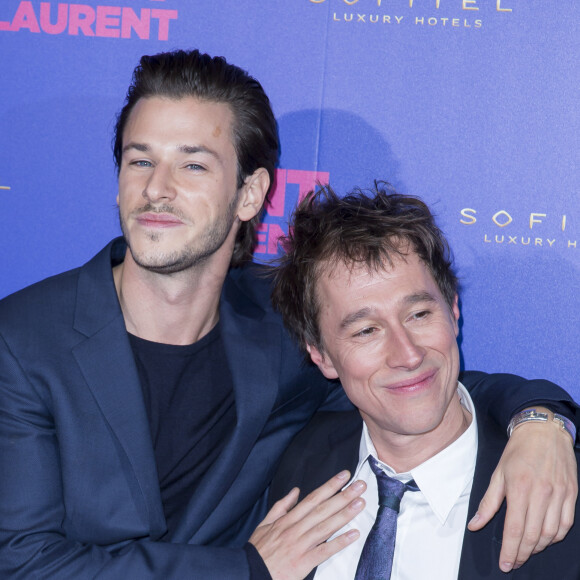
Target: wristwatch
534	415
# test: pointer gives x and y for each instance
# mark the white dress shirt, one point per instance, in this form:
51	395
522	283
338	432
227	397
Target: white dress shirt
431	522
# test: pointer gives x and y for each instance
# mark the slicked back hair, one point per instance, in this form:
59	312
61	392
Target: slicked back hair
369	228
180	74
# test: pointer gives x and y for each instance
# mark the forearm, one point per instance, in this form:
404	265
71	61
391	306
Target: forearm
50	556
504	395
38	538
537	474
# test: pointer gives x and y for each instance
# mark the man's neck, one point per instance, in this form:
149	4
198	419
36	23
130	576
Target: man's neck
405	452
175	308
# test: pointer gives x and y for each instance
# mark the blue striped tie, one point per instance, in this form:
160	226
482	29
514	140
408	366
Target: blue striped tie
376	559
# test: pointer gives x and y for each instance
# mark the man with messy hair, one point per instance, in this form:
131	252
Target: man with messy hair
367	287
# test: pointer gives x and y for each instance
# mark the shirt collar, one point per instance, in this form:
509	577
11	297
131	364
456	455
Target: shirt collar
444	477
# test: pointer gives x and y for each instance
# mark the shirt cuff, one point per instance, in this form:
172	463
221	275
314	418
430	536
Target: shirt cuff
258	568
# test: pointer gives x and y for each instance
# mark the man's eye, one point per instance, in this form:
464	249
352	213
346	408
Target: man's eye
195	167
421	315
140	163
366	331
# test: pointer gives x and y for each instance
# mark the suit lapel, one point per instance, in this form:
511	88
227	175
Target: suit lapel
106	361
341	452
338	451
252	348
480	551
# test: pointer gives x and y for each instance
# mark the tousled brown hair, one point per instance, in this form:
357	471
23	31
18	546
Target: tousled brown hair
364	227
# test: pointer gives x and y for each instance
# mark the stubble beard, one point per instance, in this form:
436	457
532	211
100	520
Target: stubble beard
189	256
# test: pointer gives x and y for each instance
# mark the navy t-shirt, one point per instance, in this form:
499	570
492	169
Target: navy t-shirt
189	398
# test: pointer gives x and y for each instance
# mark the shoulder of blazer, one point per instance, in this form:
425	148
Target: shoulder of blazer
327	428
328	444
248	290
52	304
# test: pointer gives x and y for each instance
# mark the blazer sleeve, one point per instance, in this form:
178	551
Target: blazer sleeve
502	395
33	538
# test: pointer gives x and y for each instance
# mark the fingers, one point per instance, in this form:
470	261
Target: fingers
559	501
567	515
490	502
330	516
292	540
323	512
319	495
282	506
546	522
513	533
531	527
327	549
535	518
538	476
313	539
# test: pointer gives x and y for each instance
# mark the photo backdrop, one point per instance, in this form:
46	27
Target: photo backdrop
469	104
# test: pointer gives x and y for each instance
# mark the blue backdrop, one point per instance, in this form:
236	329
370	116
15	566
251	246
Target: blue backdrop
470	104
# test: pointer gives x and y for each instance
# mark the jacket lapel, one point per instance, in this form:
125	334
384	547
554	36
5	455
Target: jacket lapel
115	385
480	551
252	347
339	450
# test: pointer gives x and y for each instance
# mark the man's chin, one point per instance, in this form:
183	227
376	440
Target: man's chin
168	262
163	265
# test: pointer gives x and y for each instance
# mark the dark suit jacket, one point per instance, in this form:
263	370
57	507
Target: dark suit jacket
330	443
79	493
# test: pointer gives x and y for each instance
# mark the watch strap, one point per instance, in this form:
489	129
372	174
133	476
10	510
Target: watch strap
534	415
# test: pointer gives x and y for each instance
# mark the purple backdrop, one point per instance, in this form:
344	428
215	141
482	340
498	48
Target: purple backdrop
471	104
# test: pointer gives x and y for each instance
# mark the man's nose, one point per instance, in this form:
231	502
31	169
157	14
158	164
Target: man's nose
160	185
402	350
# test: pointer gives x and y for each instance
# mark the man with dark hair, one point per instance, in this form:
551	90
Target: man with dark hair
183	74
366	285
147	396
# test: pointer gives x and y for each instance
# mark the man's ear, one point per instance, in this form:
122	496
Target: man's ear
322	362
456	313
253	195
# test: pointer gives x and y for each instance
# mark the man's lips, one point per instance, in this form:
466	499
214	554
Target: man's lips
158	220
422	381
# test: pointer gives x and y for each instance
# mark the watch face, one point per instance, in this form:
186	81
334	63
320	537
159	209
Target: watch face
533	415
523	417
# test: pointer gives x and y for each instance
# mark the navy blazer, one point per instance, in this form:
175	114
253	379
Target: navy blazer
79	492
330	443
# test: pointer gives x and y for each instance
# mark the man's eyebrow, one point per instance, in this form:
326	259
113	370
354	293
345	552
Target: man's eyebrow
187	149
367	311
138	146
192	149
419	297
354	317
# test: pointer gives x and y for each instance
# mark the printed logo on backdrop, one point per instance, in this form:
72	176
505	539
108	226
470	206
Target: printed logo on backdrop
143	19
539	229
452	14
290	187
